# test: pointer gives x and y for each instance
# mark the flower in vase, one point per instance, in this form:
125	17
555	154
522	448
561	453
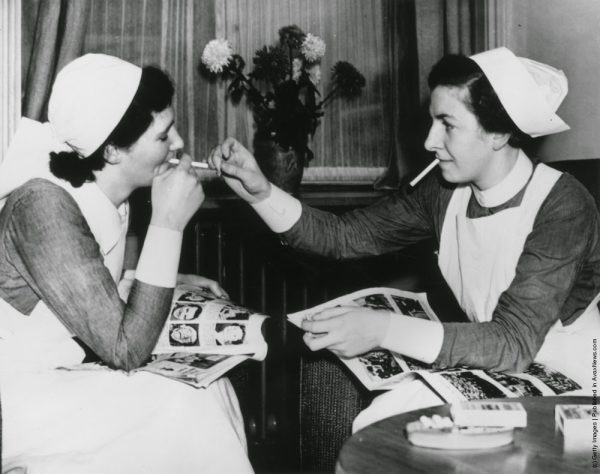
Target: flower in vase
313	48
314	74
296	69
349	80
271	63
291	36
216	55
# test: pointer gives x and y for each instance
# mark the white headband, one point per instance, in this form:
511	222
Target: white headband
529	91
89	97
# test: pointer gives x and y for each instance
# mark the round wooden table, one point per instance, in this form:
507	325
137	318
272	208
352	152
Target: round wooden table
383	447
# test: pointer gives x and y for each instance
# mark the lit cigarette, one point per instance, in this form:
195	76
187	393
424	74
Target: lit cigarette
195	164
424	172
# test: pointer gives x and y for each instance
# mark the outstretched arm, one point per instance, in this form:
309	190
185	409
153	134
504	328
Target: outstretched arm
386	226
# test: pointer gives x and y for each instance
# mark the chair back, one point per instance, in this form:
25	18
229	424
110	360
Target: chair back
587	172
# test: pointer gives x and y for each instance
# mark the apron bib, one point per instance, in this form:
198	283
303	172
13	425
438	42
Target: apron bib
478	257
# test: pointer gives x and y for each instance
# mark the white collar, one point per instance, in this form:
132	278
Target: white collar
512	183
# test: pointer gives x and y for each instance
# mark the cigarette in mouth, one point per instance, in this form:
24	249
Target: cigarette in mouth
422	174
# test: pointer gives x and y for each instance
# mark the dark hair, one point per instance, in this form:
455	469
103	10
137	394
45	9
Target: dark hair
455	70
154	94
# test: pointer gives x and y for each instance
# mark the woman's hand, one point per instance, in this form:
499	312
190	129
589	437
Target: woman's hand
176	195
202	282
347	331
240	171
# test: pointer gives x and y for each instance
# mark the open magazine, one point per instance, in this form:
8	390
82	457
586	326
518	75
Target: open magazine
203	338
383	369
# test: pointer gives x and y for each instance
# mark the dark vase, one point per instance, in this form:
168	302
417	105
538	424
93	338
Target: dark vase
284	168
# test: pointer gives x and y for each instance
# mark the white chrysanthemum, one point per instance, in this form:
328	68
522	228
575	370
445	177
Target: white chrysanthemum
313	48
314	74
216	55
296	69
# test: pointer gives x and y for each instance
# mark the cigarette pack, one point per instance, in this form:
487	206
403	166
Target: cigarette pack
575	422
506	414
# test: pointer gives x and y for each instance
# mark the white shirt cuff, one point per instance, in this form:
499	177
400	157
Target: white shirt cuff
280	211
159	260
417	338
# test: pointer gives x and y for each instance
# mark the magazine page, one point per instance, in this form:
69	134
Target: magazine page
378	369
201	323
461	384
198	370
390	299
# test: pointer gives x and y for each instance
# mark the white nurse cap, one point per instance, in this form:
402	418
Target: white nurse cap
89	97
529	91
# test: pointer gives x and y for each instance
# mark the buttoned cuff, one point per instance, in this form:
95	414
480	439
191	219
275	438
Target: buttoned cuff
417	338
280	211
159	260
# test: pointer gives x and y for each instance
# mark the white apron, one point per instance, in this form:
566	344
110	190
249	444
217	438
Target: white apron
99	422
478	259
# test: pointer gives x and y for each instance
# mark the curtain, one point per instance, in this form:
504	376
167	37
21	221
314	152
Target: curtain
444	27
169	34
10	72
402	86
53	32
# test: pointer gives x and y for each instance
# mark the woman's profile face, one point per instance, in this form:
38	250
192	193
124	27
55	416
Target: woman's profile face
149	154
458	140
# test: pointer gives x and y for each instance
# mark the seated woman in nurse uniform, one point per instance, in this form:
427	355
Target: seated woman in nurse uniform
65	185
519	243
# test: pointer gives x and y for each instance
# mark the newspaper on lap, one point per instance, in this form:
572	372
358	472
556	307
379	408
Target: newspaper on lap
204	337
383	369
